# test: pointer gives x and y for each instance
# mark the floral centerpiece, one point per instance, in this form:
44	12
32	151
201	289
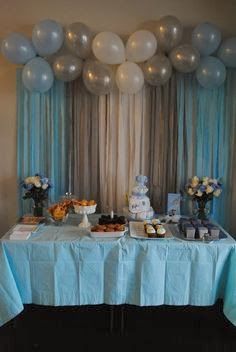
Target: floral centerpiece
202	190
37	188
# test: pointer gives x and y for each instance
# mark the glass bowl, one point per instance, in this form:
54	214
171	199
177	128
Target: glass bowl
58	222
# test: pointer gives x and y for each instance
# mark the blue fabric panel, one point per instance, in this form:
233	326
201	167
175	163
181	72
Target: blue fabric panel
42	138
64	266
206	135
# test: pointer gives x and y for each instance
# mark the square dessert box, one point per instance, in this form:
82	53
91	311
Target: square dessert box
189	231
201	231
214	231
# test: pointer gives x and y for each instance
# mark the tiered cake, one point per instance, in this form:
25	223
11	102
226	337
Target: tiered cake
139	204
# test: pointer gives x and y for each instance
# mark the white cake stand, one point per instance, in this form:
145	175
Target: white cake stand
85	210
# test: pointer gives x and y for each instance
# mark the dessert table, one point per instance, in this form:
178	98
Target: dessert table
64	265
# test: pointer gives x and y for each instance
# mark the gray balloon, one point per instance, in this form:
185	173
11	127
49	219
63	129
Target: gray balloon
157	70
169	31
185	58
98	77
79	39
67	67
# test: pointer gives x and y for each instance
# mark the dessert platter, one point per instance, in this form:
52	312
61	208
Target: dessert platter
198	230
31	220
150	229
109	226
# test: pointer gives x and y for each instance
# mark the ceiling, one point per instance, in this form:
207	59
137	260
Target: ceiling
120	16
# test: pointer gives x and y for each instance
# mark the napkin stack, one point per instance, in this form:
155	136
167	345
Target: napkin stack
22	232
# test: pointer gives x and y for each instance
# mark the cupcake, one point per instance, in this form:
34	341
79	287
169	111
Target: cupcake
161	231
147	223
150	231
156	222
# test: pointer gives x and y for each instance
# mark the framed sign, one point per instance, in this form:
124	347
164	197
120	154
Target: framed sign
173	203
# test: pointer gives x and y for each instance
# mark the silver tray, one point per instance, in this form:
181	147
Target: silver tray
206	238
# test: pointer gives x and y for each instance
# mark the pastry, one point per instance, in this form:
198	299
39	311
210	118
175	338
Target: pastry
108	228
58	211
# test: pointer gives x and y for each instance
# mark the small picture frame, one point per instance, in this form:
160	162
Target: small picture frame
173	203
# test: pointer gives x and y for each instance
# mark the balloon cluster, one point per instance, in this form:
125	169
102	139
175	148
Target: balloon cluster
146	56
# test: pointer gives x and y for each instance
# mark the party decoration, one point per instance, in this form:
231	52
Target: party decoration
163	36
108	48
47	37
185	58
67	67
17	48
169	32
157	70
211	72
140	46
98	77
37	75
227	52
129	77
78	38
206	38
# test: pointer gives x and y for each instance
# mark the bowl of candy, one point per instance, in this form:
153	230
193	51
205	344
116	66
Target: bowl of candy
58	213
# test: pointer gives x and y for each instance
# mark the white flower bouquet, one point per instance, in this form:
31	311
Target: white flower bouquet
203	190
36	187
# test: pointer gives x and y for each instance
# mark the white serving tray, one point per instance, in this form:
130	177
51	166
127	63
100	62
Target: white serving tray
136	230
104	234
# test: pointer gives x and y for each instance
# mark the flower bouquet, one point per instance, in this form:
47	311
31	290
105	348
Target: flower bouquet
37	187
202	190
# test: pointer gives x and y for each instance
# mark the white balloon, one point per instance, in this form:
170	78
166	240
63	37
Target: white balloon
129	78
141	46
108	48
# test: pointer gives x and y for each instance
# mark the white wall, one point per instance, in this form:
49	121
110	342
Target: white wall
121	16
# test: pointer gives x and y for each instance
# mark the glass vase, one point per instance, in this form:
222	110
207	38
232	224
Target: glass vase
38	210
202	211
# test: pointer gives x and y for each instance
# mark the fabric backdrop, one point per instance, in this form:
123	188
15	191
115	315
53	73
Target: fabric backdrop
42	139
95	146
116	137
207	140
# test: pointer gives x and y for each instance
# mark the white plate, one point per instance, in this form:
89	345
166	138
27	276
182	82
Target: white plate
104	234
136	230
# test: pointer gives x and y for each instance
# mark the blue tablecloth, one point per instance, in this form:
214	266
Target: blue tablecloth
65	266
